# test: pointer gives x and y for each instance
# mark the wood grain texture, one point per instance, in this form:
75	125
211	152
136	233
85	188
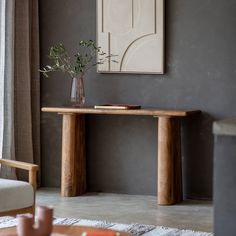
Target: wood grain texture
18	211
138	112
169	161
33	182
33	178
72	230
169	149
19	164
73	176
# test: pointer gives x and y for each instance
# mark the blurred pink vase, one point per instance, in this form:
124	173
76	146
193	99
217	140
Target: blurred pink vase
43	226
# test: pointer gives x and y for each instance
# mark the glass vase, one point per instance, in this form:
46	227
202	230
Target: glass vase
77	95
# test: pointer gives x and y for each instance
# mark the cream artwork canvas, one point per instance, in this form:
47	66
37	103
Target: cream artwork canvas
133	30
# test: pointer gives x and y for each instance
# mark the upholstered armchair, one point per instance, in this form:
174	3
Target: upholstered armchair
18	197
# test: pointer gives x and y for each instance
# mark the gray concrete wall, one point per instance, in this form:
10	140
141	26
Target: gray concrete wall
200	74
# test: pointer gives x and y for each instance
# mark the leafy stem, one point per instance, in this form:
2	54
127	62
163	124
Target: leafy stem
84	59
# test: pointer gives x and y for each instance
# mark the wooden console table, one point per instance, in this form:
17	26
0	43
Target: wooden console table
169	173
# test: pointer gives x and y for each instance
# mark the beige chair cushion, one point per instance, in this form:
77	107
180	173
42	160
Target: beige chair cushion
15	194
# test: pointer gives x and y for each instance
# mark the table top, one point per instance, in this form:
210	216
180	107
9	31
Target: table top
66	230
137	112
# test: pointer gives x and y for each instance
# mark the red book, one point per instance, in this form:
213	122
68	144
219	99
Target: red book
100	232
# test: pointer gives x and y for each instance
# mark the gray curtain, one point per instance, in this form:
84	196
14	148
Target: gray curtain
7	85
2	63
21	113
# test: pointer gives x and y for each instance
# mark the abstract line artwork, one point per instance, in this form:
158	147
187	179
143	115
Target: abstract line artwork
133	30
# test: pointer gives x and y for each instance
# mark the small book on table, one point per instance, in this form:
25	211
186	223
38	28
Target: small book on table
117	106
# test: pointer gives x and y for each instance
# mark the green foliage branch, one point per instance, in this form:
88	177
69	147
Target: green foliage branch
84	59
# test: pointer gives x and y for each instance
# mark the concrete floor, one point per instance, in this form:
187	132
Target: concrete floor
120	208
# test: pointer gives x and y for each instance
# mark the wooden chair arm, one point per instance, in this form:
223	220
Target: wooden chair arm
32	168
19	164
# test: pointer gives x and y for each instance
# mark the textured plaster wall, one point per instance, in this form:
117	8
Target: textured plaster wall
200	74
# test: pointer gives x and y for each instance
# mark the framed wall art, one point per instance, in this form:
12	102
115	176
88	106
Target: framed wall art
133	30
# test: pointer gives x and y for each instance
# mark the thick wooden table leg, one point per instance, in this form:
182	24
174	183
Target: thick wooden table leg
73	173
169	171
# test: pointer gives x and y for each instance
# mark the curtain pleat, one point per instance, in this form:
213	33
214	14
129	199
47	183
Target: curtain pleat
35	82
2	69
21	136
27	89
8	144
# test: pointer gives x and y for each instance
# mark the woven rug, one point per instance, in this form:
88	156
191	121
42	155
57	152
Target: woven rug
133	229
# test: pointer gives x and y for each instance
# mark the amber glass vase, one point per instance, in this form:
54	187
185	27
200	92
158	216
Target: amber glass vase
77	95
